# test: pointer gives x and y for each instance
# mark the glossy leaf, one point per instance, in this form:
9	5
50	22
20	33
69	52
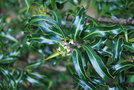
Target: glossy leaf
75	1
106	51
98	43
121	67
99	46
102	32
78	23
129	47
42	39
37	75
53	55
18	80
34	81
8	36
35	65
86	85
98	64
47	28
98	81
27	4
115	88
77	62
7	60
79	68
36	19
117	49
57	17
9	78
53	3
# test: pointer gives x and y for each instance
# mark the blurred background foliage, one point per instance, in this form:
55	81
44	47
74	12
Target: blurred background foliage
22	64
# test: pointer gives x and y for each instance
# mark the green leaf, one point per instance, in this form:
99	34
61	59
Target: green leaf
75	1
34	81
116	88
18	80
98	64
98	43
8	78
102	32
121	67
95	23
27	4
8	36
78	23
36	64
53	55
7	60
47	28
126	35
58	17
106	51
53	3
46	40
82	78
39	63
117	49
37	75
85	84
36	19
12	57
129	47
77	62
130	79
84	61
98	81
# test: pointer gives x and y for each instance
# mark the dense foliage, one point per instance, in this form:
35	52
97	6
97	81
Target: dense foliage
39	38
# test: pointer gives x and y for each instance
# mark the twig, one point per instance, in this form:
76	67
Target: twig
122	21
128	21
57	68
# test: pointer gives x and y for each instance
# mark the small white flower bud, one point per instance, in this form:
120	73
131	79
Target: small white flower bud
59	49
71	42
65	47
65	44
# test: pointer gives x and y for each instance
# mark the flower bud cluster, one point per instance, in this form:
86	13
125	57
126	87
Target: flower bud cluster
67	47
